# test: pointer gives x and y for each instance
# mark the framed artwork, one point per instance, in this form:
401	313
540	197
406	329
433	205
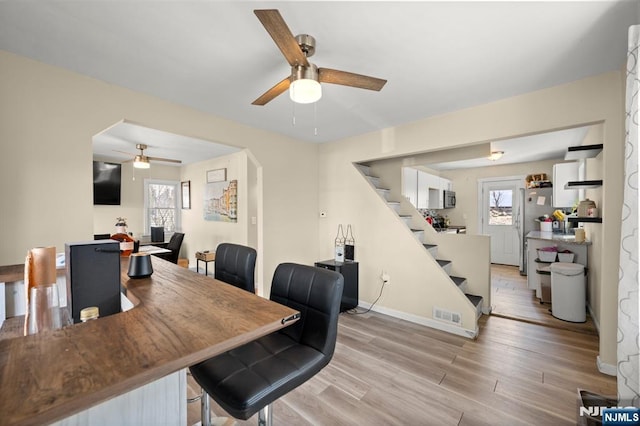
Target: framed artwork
220	201
186	194
218	175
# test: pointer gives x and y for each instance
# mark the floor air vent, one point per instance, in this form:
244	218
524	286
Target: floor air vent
447	316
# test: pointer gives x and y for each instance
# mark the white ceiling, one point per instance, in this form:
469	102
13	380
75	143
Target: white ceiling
215	56
118	143
539	147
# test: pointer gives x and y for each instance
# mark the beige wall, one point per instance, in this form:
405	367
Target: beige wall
201	234
49	115
588	101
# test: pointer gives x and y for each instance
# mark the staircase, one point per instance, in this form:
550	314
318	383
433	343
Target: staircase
431	249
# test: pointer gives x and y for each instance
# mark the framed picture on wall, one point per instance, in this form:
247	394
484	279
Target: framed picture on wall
218	175
186	194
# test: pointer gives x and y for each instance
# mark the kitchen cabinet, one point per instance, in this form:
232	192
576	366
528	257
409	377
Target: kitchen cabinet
410	184
423	190
563	173
436	192
446	184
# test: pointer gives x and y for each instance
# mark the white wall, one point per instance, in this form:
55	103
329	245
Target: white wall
49	115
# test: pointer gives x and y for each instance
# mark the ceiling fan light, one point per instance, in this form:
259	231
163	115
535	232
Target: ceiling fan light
141	162
305	91
495	155
305	87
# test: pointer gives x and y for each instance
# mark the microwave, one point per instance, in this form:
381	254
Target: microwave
449	198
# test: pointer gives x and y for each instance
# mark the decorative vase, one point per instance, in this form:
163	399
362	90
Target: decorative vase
126	242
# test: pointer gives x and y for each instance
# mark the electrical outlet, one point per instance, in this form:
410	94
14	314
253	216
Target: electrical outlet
384	277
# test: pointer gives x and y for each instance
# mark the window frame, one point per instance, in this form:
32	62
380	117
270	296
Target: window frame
177	215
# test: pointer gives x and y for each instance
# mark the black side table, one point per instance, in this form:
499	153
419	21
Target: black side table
349	271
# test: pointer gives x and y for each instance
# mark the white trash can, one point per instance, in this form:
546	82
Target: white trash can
568	292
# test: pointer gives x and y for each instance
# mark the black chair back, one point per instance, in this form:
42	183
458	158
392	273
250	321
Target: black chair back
316	293
174	245
251	377
235	265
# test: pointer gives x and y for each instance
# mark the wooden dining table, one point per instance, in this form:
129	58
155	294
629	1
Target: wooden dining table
180	318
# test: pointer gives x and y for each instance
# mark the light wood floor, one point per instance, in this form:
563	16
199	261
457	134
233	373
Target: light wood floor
511	298
386	371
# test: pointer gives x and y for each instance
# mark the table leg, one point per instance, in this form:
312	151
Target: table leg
197	266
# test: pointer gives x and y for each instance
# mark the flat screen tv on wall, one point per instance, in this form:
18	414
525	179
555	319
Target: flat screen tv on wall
106	183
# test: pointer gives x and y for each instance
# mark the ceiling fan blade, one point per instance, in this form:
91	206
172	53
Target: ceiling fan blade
282	36
327	75
272	93
166	160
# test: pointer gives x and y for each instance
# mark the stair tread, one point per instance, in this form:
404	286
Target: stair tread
430	246
475	300
458	280
443	262
393	202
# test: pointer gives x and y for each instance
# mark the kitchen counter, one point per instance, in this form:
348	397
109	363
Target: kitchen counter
452	229
560	238
537	240
180	319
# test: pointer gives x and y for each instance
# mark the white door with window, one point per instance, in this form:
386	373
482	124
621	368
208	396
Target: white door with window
498	204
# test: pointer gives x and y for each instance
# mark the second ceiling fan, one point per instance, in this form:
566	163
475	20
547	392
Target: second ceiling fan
141	161
304	81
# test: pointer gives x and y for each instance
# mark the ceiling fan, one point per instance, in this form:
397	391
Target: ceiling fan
304	81
141	161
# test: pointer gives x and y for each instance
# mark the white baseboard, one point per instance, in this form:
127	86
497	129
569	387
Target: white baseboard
605	368
429	322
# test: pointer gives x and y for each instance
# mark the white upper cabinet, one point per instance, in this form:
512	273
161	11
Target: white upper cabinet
410	185
563	173
423	190
446	185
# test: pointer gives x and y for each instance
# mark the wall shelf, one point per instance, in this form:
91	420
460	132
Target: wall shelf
583	151
583	184
585	219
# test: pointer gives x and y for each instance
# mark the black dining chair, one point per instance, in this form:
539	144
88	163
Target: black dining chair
174	245
235	265
250	378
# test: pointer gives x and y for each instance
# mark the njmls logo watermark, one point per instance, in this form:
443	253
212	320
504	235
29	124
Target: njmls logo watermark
613	416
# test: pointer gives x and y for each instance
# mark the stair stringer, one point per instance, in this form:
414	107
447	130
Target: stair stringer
417	282
470	255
